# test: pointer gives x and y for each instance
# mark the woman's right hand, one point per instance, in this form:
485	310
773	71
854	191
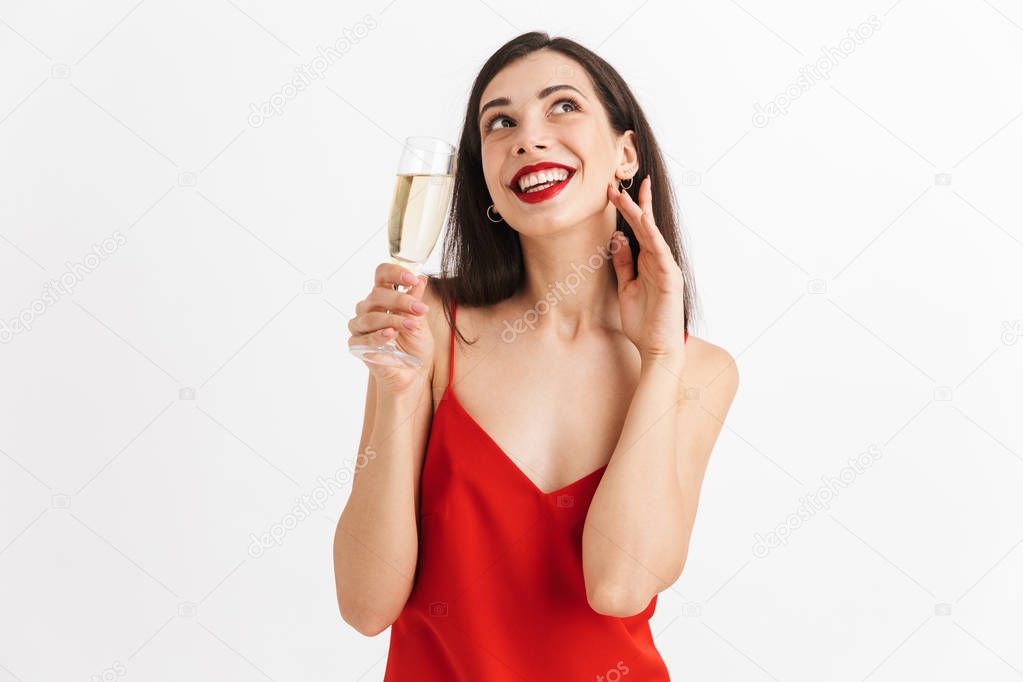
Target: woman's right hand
406	322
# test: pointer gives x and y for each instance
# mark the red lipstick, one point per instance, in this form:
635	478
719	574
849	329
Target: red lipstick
544	194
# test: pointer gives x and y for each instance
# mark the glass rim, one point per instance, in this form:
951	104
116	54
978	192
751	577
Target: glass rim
434	145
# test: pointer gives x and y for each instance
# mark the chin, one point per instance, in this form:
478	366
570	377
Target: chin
548	223
557	217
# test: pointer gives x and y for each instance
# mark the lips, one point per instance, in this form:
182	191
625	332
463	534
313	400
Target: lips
544	194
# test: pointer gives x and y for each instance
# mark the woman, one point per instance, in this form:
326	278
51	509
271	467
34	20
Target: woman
521	528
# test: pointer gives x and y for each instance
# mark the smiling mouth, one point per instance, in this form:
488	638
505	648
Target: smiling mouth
544	188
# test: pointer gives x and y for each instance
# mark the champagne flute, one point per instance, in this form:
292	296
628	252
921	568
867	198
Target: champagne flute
422	195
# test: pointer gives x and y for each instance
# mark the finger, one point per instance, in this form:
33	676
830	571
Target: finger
621	201
646	196
386	298
621	258
646	203
390	274
633	215
378	338
656	244
419	288
376	321
653	234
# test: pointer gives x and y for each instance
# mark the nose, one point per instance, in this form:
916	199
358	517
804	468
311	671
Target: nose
525	148
532	136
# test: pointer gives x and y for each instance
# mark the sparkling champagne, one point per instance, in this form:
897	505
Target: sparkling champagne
418	209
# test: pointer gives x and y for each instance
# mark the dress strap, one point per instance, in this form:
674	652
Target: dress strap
451	359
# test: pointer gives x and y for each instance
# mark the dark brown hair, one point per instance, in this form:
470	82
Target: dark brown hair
481	261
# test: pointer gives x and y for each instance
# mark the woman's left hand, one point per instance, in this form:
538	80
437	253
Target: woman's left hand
650	291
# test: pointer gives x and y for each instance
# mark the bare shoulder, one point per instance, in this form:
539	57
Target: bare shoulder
707	389
712	373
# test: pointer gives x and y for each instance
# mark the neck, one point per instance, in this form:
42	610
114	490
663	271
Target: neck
569	280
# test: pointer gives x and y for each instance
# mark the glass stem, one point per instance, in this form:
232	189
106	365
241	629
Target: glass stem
416	268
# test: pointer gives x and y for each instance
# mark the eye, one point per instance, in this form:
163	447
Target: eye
494	119
489	126
569	101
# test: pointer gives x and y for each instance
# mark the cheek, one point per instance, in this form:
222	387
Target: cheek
591	150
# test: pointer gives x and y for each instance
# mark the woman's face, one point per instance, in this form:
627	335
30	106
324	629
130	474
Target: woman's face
543	109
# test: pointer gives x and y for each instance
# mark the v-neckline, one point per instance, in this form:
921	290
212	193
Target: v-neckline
450	395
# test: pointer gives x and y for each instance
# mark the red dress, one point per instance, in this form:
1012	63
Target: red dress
499	593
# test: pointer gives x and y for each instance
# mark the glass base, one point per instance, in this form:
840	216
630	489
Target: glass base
387	355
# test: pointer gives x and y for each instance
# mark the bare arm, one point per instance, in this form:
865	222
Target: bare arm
636	537
641	518
376	541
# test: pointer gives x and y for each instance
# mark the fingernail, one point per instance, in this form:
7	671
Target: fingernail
409	324
419	307
407	278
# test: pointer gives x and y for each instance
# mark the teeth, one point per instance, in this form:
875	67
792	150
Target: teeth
533	180
537	188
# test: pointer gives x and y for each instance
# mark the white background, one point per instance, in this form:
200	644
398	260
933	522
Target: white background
859	256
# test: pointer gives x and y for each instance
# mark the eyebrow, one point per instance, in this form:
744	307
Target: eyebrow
504	101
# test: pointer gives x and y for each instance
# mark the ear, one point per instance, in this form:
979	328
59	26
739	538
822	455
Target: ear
628	156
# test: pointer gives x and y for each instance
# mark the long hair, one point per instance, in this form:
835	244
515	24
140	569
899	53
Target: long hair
481	261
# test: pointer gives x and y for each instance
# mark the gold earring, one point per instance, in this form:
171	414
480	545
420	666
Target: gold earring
499	218
622	185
